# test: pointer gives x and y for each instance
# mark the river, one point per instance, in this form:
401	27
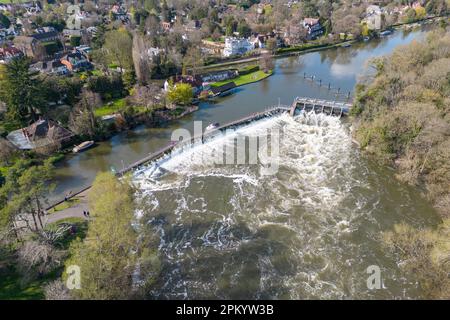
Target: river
309	230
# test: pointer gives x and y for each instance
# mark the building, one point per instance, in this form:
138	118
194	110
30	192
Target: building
236	46
373	18
54	67
40	134
9	53
46	36
195	81
76	61
313	27
220	75
28	45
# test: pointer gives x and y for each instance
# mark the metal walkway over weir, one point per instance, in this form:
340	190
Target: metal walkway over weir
320	106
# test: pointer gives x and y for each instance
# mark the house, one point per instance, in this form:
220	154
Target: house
195	81
76	61
220	75
313	27
28	45
50	67
73	32
42	133
236	46
373	18
166	26
46	36
8	53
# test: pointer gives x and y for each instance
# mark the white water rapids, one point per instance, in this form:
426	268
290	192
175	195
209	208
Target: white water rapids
309	231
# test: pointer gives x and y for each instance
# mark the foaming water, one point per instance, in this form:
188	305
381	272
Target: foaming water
308	231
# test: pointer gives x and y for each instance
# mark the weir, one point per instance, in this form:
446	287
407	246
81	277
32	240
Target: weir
332	108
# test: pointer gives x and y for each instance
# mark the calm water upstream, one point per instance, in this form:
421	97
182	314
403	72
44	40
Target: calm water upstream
308	231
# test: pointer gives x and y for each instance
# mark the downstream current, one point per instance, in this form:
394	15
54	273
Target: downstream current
309	230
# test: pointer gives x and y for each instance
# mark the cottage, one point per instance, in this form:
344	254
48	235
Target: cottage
42	133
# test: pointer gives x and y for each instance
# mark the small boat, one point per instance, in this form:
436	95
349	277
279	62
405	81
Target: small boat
212	126
346	45
83	146
366	39
385	33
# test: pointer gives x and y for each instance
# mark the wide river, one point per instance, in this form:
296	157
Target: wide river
309	229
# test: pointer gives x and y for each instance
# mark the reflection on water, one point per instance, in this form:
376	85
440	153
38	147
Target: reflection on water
309	231
340	67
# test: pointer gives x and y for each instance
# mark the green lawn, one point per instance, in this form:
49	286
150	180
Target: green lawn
115	107
245	79
65	205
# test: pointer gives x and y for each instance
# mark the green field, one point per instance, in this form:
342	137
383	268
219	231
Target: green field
246	79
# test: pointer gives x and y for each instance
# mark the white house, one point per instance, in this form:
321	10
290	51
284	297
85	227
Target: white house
236	46
373	17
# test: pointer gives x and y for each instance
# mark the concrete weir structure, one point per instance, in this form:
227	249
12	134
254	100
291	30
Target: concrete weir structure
320	106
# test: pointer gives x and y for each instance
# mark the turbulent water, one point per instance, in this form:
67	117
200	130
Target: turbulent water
310	230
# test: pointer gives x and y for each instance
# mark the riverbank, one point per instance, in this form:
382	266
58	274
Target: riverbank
306	48
409	129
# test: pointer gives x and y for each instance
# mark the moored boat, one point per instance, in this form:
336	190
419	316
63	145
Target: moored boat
83	146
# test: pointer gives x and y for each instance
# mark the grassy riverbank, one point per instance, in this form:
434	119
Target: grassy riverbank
246	79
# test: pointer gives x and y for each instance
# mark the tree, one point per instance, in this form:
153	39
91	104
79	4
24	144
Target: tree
4	21
420	12
244	29
118	48
180	94
110	253
426	255
143	63
193	59
266	62
22	91
82	119
26	190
